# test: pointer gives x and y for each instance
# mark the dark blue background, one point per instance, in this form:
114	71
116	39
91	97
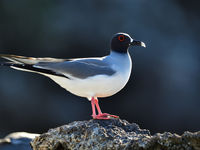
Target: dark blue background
163	91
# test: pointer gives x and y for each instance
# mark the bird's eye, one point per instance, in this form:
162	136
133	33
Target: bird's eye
121	38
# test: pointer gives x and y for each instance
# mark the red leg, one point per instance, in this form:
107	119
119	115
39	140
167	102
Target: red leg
96	101
93	108
100	115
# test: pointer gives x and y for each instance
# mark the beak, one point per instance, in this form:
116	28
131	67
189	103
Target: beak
138	43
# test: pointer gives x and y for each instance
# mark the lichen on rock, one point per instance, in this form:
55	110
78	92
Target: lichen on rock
111	134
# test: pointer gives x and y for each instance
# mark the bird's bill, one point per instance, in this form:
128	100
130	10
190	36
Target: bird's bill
138	43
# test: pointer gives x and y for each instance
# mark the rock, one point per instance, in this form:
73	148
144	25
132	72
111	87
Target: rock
17	141
112	134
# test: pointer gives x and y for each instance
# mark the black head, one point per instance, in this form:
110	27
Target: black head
121	42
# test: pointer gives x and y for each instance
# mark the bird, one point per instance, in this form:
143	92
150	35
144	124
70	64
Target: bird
91	78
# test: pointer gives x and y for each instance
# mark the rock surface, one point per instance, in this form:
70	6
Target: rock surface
17	141
112	134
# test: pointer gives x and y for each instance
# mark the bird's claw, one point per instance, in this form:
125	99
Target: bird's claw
105	116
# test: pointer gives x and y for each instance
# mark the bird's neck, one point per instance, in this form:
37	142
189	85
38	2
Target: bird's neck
120	57
118	53
122	50
122	61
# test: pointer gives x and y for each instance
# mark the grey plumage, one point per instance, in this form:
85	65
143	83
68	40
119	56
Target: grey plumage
78	68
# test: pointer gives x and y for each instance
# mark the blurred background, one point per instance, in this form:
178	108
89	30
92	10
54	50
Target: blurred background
163	91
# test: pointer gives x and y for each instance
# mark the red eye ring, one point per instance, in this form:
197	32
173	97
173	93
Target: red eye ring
121	38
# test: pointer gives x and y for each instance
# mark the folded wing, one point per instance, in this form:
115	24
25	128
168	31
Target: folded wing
73	68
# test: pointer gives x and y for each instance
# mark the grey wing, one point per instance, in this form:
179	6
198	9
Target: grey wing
80	68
